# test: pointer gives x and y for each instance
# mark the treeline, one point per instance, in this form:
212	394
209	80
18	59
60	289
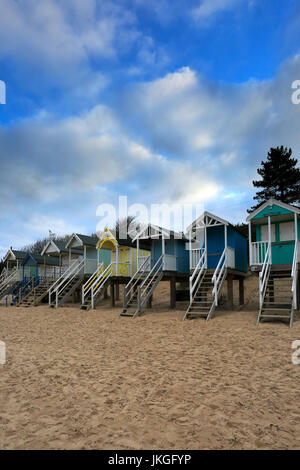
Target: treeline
37	247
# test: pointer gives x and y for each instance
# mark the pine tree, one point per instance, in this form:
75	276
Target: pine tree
280	178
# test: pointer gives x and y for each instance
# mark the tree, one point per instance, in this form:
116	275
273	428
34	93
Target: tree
37	247
244	230
280	178
122	227
2	265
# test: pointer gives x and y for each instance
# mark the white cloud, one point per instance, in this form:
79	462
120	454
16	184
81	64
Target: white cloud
208	8
59	40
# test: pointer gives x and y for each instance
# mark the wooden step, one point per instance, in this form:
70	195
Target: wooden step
196	314
276	316
269	309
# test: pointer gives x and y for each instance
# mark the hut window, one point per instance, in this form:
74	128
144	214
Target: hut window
287	231
264	233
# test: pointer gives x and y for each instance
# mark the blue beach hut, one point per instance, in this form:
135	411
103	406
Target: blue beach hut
217	253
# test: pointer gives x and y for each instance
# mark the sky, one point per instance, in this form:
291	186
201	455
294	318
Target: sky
169	101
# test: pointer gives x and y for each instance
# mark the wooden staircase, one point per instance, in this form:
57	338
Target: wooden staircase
205	288
66	285
37	294
278	299
8	284
7	288
11	290
139	290
137	303
95	286
87	304
202	304
66	292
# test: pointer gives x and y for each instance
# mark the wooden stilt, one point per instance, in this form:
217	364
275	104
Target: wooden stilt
298	293
230	291
112	294
105	295
241	291
117	291
149	302
173	293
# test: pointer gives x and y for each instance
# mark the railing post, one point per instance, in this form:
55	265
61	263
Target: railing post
250	243
124	297
139	298
260	288
205	242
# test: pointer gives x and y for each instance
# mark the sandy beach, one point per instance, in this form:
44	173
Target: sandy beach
93	380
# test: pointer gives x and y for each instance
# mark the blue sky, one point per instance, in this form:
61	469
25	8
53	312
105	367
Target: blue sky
163	101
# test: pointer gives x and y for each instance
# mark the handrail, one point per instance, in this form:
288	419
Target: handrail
32	281
70	276
200	267
13	290
146	282
65	280
136	277
264	275
219	274
69	279
98	284
9	279
2	276
295	275
153	270
65	275
87	287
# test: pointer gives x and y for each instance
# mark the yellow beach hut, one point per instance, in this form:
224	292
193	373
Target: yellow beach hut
126	259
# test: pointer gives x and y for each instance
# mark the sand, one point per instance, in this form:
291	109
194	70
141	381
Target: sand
77	380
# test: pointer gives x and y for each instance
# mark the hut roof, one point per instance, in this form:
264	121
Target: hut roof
15	254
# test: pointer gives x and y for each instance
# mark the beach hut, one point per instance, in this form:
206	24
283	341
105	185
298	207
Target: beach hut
84	260
38	274
40	267
124	259
217	253
11	275
275	255
58	250
31	276
169	261
13	260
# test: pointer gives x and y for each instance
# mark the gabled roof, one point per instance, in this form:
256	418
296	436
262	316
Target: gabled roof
106	237
15	254
83	240
59	247
38	259
207	219
271	202
152	231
